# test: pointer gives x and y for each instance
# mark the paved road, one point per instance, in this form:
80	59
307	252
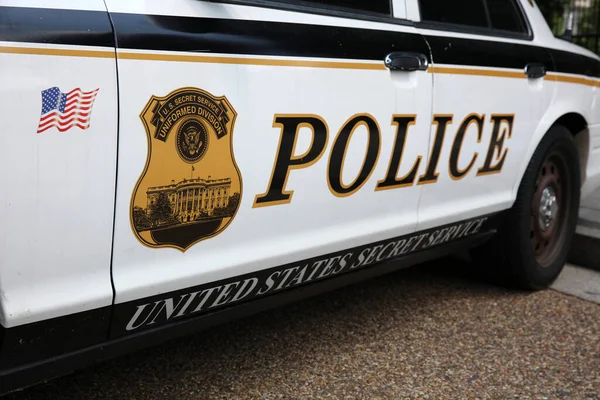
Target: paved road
429	332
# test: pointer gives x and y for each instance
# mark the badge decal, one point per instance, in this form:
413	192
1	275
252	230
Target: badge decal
191	187
66	110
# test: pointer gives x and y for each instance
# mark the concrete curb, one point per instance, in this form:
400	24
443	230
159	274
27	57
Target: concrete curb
585	250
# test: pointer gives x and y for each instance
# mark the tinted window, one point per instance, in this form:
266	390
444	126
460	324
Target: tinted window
463	12
374	6
504	15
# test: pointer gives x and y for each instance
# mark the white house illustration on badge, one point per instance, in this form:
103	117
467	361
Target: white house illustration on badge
193	198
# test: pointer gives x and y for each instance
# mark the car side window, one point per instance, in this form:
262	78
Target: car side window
382	7
494	15
505	16
469	12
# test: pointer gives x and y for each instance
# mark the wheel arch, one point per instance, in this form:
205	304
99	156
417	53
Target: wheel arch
578	126
576	123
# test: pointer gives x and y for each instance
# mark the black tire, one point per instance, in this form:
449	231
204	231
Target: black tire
527	253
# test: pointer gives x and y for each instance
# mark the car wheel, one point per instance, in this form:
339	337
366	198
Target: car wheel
533	242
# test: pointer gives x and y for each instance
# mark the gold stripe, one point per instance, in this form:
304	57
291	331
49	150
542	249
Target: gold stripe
476	72
191	58
511	74
280	63
248	61
572	79
58	52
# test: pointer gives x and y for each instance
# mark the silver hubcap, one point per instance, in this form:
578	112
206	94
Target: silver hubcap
548	208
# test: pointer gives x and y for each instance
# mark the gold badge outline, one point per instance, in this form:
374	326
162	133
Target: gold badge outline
152	102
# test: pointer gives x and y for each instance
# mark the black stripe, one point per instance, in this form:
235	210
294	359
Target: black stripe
344	262
573	63
34	342
485	53
39	340
49	338
66	362
228	36
50	26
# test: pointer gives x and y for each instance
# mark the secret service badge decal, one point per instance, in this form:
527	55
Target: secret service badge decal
191	186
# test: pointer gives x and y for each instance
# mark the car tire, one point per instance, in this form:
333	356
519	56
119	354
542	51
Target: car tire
532	244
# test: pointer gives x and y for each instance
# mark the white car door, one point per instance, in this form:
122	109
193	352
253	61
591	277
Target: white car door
489	98
58	83
254	137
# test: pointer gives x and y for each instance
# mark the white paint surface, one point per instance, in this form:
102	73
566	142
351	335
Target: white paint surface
58	189
315	222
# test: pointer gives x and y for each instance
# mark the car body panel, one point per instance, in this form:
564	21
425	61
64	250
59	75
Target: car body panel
59	187
92	263
263	236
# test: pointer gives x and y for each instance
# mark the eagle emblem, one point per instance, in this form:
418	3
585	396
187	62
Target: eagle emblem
192	140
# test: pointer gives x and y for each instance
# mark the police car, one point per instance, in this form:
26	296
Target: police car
167	166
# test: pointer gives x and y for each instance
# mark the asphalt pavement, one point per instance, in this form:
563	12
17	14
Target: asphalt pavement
429	332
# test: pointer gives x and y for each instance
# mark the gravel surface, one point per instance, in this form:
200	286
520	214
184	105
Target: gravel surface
428	333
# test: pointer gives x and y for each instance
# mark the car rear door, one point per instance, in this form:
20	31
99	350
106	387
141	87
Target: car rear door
489	99
252	137
58	85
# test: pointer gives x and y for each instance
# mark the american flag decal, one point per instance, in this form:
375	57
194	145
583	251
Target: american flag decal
66	110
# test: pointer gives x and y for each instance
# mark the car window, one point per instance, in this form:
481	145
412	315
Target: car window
505	16
463	12
371	6
500	15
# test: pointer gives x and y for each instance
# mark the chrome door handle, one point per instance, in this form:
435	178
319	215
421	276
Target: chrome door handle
406	61
535	70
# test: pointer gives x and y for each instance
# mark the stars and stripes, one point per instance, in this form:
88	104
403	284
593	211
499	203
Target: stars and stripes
66	110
